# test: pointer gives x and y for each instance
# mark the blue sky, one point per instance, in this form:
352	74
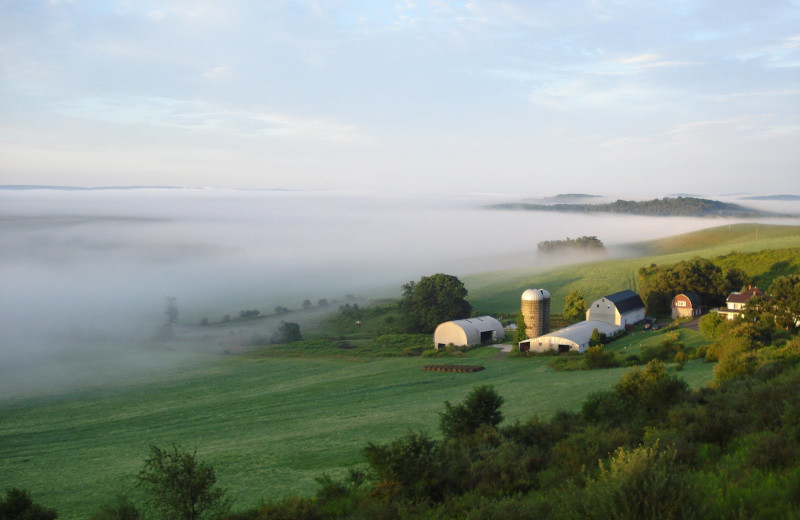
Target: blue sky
530	98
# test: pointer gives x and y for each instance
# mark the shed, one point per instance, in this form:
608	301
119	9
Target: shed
620	309
575	337
472	331
686	305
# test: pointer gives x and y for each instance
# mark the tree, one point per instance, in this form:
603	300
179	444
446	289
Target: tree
521	333
785	295
712	325
307	304
171	310
481	406
287	332
180	486
575	307
433	300
18	505
597	338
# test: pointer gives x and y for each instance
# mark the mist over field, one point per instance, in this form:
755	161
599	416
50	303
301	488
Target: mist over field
85	274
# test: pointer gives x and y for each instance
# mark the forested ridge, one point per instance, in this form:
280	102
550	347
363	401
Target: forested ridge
664	207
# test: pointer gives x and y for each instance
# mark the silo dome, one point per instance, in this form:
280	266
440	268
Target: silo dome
536	295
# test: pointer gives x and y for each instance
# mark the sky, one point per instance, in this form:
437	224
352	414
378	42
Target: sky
503	96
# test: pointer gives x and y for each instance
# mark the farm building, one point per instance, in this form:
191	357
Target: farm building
737	302
686	305
575	337
468	332
621	309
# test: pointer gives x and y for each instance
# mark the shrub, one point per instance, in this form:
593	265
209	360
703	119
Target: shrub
481	406
644	482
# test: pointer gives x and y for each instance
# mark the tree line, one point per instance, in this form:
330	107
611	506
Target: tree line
584	243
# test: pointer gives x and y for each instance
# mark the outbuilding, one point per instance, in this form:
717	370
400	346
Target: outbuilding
621	309
686	305
573	338
472	331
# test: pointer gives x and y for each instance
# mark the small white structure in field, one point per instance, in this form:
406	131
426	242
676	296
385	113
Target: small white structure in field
471	331
620	309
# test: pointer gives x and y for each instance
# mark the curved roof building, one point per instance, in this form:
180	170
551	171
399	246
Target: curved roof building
468	332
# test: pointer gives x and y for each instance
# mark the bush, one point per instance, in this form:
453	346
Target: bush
644	482
481	406
18	505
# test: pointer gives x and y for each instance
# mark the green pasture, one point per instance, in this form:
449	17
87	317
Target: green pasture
499	291
269	425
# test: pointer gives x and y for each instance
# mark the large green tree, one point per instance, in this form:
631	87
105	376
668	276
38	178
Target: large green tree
575	307
433	300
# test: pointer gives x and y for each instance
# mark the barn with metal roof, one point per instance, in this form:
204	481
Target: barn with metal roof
621	309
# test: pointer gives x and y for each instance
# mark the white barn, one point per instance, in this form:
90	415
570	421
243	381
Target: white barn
620	309
468	332
573	338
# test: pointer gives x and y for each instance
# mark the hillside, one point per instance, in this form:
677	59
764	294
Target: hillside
665	207
499	291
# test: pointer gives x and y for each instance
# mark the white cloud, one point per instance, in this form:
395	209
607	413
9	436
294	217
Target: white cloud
202	116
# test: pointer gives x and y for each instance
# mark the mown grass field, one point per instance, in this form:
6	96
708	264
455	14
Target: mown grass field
269	425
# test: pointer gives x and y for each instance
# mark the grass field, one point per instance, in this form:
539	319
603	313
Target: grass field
269	425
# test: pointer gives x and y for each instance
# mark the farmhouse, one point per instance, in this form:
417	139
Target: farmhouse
468	332
686	305
621	309
737	302
575	337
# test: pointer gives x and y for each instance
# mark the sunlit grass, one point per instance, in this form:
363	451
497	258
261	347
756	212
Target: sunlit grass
270	426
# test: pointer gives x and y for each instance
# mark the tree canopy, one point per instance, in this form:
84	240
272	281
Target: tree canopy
659	284
433	300
575	307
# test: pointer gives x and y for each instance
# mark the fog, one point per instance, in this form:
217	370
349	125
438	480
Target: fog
85	273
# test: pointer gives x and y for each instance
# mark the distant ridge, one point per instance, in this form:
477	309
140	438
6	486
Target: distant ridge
666	207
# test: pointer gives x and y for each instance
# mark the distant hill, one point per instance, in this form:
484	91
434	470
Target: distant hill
666	207
773	197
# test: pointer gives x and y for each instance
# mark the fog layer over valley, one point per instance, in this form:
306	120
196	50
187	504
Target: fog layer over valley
85	274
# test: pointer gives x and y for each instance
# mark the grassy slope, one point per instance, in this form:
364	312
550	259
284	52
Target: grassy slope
270	425
500	291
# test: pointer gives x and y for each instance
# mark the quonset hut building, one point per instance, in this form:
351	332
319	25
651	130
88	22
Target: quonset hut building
471	331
